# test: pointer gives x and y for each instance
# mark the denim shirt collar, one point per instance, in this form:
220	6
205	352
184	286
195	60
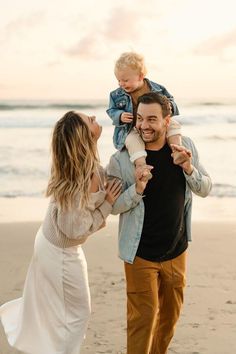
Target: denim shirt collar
121	92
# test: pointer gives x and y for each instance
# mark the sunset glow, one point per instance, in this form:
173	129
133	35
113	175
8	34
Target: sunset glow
58	50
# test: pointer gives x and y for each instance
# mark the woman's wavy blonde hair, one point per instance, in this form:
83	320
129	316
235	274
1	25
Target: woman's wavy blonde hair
74	160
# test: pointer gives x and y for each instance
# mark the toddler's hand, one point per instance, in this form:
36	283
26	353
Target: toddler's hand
143	171
142	176
126	117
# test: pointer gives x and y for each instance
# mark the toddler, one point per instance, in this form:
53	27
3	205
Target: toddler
130	71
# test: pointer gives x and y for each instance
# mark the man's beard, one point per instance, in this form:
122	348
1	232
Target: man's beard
153	137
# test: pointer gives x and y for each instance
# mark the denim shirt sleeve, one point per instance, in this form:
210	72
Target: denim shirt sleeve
128	198
118	104
114	113
175	110
199	181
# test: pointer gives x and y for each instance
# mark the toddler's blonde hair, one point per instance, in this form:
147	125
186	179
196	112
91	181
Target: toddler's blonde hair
132	60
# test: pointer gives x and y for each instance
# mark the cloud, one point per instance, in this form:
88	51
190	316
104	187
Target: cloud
54	63
21	24
86	47
5	88
223	46
122	25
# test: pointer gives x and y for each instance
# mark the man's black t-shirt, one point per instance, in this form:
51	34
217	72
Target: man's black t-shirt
163	235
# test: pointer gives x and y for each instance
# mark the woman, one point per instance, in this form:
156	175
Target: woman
52	315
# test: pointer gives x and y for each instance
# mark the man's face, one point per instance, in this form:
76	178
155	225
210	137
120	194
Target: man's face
150	122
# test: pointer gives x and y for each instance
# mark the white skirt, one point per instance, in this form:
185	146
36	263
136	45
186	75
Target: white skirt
52	315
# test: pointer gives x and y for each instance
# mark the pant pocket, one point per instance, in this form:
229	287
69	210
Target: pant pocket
178	265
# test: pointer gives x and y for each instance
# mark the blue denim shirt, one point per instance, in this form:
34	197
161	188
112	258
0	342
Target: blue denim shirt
120	101
130	205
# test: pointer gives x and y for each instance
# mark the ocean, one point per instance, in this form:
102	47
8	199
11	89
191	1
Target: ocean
26	128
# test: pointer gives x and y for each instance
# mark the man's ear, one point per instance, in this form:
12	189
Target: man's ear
167	119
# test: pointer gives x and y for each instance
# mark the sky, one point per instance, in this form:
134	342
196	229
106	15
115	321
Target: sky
53	49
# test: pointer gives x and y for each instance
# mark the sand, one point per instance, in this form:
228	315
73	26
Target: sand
208	320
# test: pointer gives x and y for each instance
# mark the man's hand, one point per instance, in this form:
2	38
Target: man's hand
182	157
126	117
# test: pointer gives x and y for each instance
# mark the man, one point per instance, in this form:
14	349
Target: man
154	227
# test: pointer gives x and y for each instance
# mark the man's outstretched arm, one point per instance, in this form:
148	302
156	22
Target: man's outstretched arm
196	176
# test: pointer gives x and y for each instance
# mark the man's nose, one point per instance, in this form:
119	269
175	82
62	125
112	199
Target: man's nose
144	125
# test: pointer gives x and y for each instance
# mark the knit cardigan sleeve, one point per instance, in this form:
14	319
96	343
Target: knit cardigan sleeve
78	223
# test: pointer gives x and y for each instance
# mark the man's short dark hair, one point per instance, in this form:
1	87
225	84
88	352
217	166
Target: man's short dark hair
154	97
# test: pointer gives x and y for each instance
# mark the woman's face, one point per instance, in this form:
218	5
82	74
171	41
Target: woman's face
91	122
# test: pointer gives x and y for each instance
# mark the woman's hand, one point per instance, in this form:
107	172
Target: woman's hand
113	190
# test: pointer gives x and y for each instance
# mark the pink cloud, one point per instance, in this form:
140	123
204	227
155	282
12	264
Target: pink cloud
217	45
122	25
21	24
85	47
